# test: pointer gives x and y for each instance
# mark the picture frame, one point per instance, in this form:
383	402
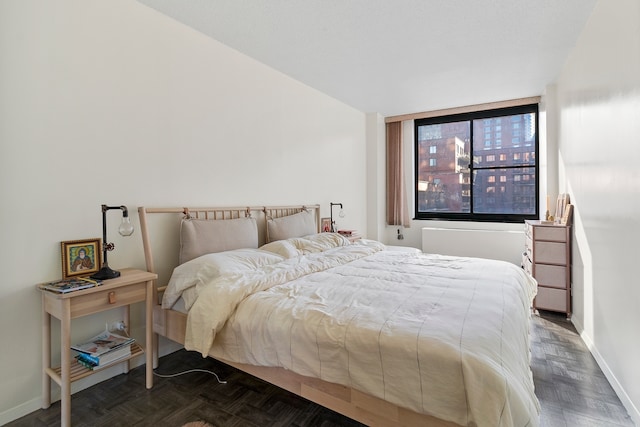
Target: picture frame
325	225
561	205
566	215
81	257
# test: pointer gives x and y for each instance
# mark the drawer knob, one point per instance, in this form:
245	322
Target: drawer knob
112	297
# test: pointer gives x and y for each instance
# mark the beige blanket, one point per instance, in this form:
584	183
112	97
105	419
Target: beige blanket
444	336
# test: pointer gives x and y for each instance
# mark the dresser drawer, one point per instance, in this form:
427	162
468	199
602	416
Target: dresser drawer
107	299
556	234
550	252
552	299
554	276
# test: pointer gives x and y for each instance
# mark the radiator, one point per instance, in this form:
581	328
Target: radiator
506	245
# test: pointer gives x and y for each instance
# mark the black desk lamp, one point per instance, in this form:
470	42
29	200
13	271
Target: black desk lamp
341	214
125	229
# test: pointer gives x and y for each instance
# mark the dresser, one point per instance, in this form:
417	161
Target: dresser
547	257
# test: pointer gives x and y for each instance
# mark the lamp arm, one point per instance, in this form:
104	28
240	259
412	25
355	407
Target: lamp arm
106	272
333	228
125	211
106	246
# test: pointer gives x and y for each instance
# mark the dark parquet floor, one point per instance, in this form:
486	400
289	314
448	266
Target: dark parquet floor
572	390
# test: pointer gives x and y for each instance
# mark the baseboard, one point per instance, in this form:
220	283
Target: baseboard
20	411
633	411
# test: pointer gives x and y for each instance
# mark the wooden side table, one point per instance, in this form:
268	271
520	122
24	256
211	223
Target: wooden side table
131	287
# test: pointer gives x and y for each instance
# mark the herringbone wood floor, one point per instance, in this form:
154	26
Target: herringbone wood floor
571	388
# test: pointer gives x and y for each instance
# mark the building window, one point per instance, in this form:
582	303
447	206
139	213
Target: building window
432	149
466	166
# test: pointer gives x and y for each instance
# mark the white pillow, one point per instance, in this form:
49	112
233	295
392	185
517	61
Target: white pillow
296	246
329	240
283	248
202	236
296	225
202	270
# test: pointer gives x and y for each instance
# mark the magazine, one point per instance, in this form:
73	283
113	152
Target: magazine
108	358
102	343
69	285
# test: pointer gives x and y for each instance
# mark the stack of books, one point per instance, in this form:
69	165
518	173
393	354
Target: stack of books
350	234
102	350
68	285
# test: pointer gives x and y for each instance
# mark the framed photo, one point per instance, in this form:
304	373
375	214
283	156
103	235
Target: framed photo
566	215
81	257
325	225
561	205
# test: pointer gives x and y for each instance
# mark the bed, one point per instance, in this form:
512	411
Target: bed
383	335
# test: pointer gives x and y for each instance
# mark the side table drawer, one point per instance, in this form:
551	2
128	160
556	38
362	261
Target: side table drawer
106	299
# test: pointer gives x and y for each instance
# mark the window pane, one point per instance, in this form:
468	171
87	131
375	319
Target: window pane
443	173
514	194
444	193
513	132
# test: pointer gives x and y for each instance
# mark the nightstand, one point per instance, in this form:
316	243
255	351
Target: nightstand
131	287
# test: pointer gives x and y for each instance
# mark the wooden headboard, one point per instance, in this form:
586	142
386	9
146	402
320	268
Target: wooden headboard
160	229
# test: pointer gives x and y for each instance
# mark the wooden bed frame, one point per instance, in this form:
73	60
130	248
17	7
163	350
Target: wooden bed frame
172	324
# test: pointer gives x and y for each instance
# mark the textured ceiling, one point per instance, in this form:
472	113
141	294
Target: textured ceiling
400	56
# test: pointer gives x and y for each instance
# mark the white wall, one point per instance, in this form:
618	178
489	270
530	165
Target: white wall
598	117
490	242
112	102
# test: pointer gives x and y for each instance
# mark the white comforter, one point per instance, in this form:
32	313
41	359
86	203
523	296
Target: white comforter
440	335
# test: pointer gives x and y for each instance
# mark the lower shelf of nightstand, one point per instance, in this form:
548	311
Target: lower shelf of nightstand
79	371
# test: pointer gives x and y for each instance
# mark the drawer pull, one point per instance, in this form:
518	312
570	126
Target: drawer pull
112	297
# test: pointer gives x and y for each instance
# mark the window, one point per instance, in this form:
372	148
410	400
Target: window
460	181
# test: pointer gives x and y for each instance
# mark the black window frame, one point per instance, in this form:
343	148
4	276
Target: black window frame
471	116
